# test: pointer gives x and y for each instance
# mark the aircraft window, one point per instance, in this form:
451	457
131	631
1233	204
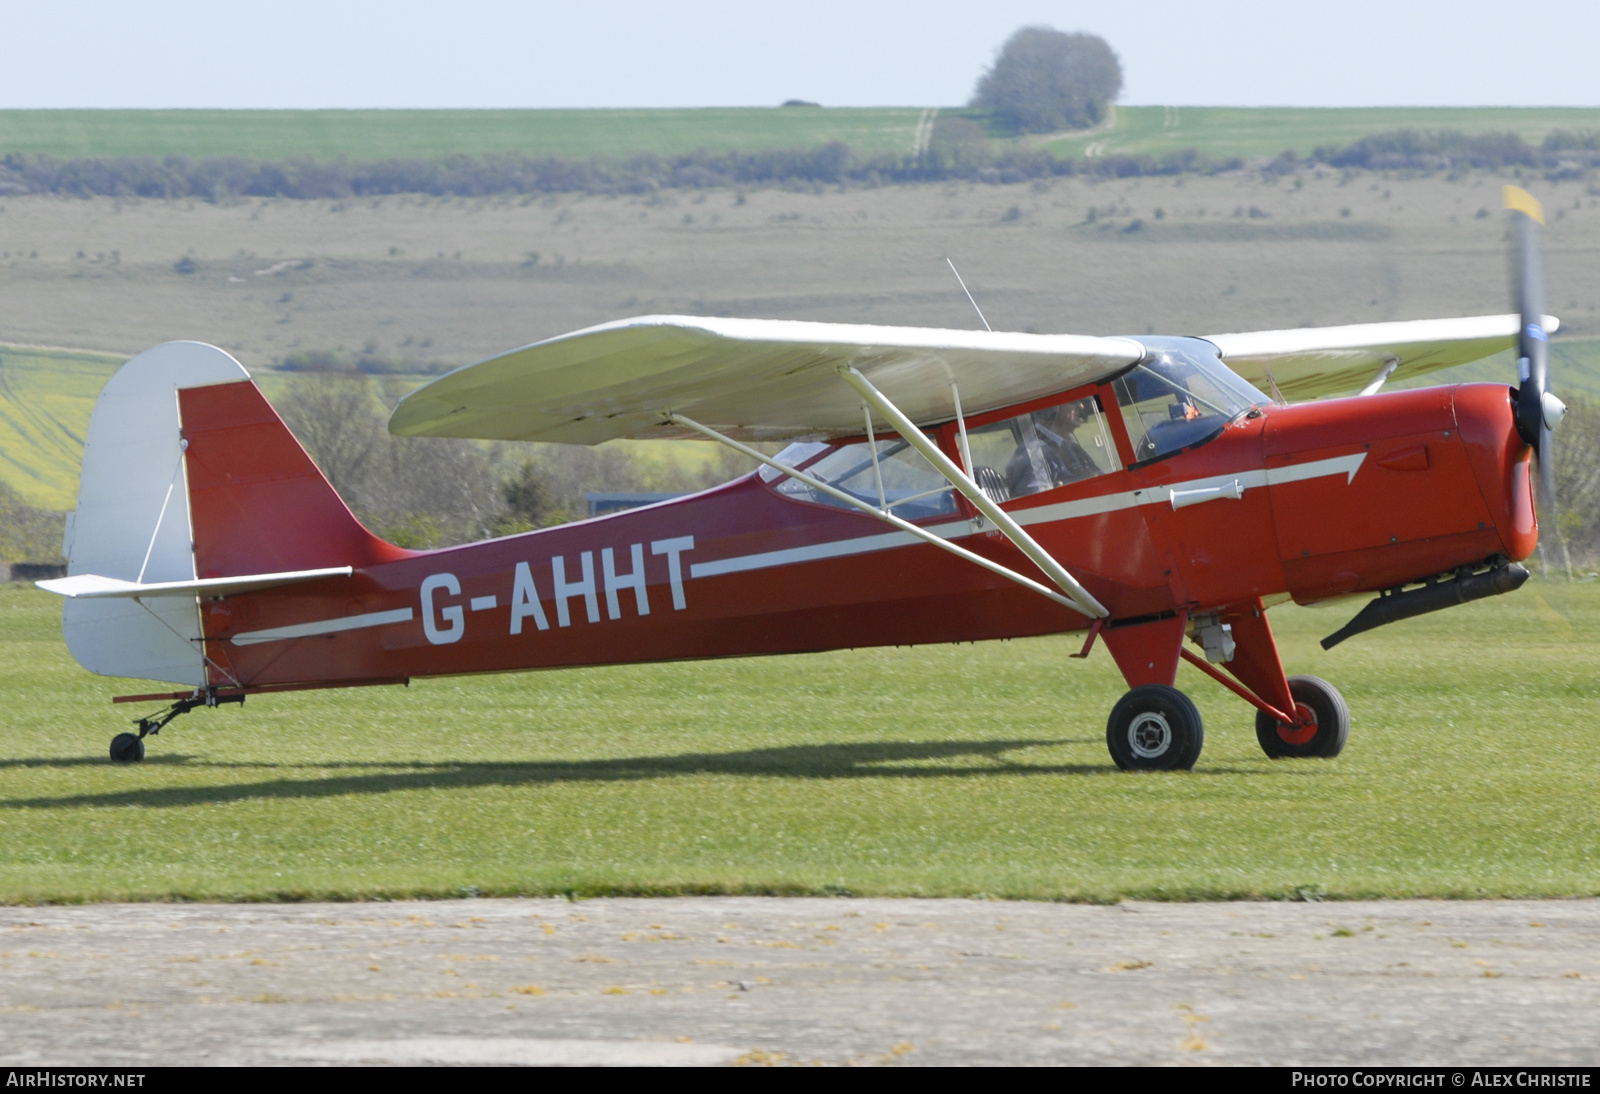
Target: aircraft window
1042	450
794	455
912	487
1177	398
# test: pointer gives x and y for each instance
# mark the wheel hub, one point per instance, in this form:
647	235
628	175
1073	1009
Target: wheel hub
1149	735
1303	731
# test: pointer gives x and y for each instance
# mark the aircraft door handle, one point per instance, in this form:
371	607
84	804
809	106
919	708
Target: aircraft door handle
1182	499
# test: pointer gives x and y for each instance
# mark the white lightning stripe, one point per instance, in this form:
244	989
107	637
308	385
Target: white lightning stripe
324	626
1066	510
1316	469
836	549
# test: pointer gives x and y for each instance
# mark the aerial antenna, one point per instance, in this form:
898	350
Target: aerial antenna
968	291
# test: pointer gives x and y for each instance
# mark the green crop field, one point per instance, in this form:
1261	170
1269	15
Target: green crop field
46	397
45	400
1225	131
380	134
950	770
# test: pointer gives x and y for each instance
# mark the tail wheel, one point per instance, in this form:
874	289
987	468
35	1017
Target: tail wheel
1155	728
1324	731
126	749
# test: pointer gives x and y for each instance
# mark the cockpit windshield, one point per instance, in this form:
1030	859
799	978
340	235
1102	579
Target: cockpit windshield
1179	396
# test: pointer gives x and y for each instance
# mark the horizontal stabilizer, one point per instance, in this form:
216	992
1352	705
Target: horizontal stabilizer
96	586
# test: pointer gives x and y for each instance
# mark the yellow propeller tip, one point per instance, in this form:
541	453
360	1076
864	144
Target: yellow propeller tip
1523	202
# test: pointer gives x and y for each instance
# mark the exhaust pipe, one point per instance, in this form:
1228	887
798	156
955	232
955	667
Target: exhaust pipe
1393	605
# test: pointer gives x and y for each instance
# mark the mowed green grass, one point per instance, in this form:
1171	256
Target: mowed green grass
1224	131
952	770
381	134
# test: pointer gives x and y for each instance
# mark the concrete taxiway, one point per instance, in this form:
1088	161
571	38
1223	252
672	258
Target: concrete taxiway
762	980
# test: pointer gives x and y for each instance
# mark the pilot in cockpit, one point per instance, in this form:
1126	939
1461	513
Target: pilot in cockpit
1048	454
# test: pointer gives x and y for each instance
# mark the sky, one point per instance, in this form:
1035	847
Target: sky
305	54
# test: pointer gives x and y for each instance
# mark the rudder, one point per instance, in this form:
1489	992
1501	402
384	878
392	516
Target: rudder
259	503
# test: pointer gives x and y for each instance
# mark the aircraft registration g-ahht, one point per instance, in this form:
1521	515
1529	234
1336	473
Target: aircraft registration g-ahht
940	486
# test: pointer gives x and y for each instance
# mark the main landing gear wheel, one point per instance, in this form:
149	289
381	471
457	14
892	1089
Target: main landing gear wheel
126	748
1323	734
1155	728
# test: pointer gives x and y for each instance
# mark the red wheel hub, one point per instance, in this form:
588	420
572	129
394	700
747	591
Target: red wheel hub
1304	729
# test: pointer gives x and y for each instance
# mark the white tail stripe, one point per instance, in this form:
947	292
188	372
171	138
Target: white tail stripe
325	626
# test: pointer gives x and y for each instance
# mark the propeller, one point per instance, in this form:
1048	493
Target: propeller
1538	411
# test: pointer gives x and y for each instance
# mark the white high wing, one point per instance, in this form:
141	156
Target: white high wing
769	379
754	379
1313	362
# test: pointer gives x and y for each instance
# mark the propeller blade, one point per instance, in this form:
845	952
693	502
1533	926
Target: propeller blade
1538	410
1547	477
1533	344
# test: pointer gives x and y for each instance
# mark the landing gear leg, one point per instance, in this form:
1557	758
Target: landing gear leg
128	748
1155	728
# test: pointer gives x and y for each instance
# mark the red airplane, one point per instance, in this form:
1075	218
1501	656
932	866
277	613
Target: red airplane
941	486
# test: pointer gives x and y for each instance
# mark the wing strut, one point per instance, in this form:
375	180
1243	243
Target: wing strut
1381	377
961	429
882	514
1081	599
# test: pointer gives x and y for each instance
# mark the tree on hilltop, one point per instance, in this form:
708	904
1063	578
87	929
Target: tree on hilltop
1045	80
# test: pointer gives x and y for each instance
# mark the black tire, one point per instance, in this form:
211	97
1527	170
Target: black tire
1155	728
126	748
1332	727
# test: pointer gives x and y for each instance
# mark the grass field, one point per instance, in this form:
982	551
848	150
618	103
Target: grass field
936	770
939	770
1221	132
381	134
1226	131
